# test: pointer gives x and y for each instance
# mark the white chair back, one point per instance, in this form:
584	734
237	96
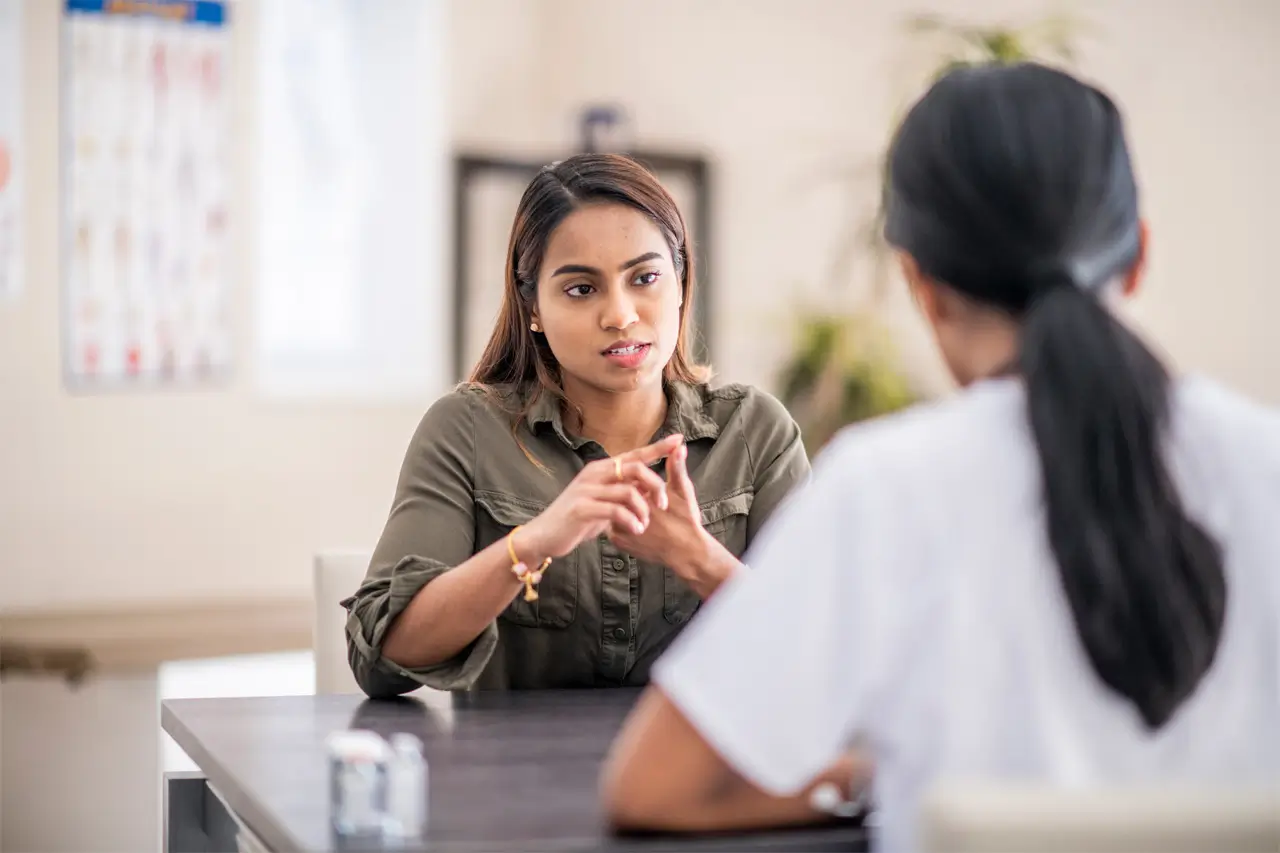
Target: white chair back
969	818
337	576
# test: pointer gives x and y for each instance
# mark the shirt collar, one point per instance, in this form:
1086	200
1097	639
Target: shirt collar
686	414
545	410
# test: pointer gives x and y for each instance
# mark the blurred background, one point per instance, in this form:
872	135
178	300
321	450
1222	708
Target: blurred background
244	245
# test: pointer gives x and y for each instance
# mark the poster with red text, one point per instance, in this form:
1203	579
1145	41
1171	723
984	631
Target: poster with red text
145	177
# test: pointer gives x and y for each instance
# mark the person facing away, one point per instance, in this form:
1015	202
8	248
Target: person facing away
559	518
1066	574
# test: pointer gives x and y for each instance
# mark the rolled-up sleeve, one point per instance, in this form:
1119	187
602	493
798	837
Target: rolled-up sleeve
429	531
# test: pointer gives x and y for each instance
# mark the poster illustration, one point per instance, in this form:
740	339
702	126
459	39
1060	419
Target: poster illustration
11	165
145	176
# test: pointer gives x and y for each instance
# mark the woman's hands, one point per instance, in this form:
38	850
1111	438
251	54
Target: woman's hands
621	493
674	536
643	515
673	529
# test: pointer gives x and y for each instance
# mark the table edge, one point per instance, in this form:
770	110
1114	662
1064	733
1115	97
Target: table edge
245	807
279	839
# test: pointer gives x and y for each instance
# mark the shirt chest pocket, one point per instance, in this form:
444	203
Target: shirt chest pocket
497	515
726	520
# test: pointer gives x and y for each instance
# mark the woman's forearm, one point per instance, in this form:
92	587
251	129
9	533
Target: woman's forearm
662	774
705	564
453	609
732	804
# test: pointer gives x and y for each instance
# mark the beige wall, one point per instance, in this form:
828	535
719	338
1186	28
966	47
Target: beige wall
102	495
79	769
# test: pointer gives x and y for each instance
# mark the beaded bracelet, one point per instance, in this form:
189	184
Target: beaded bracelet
523	573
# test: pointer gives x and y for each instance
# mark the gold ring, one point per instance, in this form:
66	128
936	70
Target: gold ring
617	467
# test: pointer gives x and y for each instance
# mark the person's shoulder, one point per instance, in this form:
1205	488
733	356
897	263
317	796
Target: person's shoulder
749	414
1227	404
473	399
748	401
454	404
1245	425
467	403
932	434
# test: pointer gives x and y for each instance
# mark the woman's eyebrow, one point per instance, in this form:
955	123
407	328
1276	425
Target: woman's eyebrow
569	269
575	268
647	256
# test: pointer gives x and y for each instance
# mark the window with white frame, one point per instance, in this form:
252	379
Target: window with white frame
349	196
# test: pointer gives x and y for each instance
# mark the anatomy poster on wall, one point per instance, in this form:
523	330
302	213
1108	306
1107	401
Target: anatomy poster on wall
10	151
145	173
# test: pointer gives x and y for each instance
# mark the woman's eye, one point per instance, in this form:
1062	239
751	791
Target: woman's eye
648	278
579	290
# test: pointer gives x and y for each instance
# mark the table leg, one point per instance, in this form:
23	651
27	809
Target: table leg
195	820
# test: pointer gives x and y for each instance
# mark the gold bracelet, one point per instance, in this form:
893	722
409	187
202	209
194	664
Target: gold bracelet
530	578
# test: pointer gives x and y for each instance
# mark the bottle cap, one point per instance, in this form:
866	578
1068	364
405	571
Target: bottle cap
356	745
403	742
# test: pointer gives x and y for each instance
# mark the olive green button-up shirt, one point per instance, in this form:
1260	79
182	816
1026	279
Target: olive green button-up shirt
602	616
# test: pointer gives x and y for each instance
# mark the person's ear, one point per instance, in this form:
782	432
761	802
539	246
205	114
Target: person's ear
1133	279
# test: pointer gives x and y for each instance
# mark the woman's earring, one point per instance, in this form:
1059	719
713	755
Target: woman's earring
534	327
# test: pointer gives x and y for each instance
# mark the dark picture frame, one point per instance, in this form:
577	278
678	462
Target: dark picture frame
471	172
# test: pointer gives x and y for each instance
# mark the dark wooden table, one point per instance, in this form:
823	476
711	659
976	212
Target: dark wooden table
508	770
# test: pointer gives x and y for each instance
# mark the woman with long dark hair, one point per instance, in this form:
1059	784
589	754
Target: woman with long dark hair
1067	574
560	518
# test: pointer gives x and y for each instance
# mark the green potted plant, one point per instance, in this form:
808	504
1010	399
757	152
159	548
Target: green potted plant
844	366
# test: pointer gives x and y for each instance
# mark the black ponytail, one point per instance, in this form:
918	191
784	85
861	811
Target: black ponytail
1012	184
1144	581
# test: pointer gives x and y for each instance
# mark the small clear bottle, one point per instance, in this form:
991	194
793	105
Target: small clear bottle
358	763
407	794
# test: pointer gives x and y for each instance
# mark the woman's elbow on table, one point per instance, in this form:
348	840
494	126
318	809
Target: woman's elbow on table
632	792
375	682
661	775
630	801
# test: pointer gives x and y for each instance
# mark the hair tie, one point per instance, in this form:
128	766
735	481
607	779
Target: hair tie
1049	280
1054	275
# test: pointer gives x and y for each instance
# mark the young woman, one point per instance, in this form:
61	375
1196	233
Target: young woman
560	518
1067	574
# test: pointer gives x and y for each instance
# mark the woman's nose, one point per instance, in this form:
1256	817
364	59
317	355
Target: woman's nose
619	311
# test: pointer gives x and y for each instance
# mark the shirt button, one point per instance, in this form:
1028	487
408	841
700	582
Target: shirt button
619	565
620	633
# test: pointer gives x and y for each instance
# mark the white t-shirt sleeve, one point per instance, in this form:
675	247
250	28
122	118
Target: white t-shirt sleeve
775	670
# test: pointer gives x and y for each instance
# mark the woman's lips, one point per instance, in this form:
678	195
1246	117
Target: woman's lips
628	355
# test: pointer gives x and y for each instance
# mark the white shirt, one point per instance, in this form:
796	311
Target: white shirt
908	595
